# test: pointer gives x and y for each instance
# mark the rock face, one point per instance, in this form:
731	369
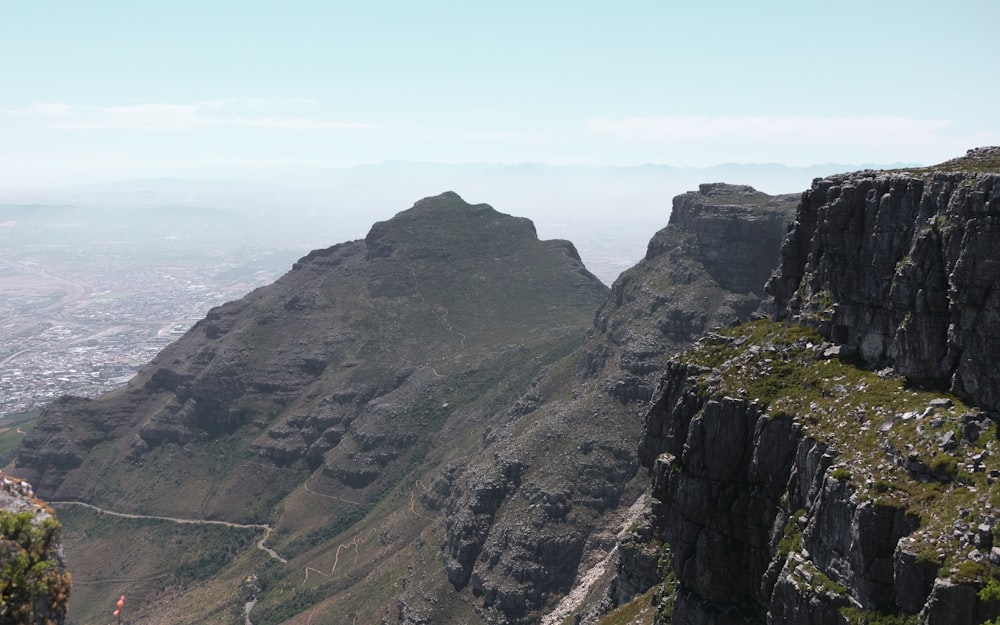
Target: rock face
792	487
901	266
34	583
528	518
775	511
705	270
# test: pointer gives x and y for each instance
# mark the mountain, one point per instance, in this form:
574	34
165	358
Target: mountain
429	425
305	406
836	464
536	510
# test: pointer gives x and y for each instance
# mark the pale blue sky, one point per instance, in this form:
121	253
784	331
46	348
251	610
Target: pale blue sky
99	91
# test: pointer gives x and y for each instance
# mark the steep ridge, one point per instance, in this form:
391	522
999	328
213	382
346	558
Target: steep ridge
393	405
812	468
530	516
313	406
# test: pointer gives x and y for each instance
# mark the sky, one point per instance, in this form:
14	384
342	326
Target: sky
100	91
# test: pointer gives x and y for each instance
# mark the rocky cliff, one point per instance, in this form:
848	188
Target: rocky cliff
34	583
837	465
533	517
705	270
900	266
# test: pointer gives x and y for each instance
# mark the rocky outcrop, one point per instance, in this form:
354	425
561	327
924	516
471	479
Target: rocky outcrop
730	230
901	267
770	520
34	582
705	270
793	487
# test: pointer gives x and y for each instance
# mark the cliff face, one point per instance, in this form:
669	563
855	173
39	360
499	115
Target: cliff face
902	267
796	487
705	270
533	516
805	510
34	583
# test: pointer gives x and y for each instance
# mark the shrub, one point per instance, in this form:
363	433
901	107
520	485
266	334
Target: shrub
29	568
841	474
990	592
944	466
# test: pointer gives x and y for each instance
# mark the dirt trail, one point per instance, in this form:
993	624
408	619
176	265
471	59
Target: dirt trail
126	515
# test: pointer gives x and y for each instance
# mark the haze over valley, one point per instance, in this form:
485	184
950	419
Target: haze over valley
97	279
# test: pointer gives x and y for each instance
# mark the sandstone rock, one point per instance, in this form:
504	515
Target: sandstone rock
900	266
892	267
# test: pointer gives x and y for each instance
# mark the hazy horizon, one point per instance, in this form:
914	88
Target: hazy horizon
118	91
608	213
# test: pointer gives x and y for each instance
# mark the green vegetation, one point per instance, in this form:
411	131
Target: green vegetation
841	474
978	162
970	571
944	466
791	539
639	611
885	430
31	577
872	617
153	555
294	601
13	427
822	584
665	598
991	591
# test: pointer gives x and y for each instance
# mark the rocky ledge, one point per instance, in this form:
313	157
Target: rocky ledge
837	464
34	584
901	267
796	488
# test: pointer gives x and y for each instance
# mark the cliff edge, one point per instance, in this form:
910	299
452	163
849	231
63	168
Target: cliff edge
34	583
837	464
902	266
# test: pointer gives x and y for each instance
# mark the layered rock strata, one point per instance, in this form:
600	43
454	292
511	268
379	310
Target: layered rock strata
526	521
901	266
794	487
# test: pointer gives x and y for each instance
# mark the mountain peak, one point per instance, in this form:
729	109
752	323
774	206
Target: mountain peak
447	226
